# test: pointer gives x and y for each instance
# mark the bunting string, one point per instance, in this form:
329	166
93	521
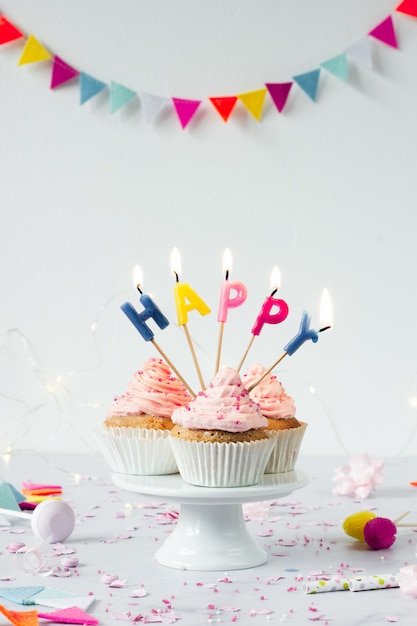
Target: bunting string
253	102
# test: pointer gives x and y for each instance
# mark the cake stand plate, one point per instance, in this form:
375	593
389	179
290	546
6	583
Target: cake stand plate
211	534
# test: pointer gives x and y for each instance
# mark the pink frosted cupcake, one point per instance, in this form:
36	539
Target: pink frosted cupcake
279	409
219	438
134	437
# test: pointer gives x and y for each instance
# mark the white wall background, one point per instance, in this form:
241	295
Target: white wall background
326	191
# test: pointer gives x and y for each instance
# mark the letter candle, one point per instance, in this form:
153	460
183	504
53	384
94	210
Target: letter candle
183	292
265	316
304	333
226	302
150	310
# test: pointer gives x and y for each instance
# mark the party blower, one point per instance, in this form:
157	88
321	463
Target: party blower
52	520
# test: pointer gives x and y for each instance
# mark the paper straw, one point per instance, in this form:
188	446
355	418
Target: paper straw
335	583
357	583
367	583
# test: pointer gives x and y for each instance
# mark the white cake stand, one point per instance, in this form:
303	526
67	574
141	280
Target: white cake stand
211	534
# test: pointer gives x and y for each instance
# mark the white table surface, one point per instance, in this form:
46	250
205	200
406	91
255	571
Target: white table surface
118	531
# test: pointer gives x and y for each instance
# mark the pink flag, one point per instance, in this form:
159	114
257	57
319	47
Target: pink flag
61	72
385	32
185	109
279	93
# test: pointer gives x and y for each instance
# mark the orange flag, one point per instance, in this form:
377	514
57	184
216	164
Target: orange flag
224	106
20	618
8	32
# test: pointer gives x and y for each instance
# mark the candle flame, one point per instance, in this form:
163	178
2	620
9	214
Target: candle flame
326	312
137	276
227	261
275	279
175	262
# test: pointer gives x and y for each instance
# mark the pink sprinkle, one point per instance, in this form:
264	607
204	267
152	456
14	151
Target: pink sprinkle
15	546
69	561
393	618
109	578
292	589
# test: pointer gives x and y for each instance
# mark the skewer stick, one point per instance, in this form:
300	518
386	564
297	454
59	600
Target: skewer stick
401	517
219	347
193	354
284	354
172	366
246	353
410	525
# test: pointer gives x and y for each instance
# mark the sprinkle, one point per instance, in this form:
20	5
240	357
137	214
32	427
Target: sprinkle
15	546
138	593
109	578
69	561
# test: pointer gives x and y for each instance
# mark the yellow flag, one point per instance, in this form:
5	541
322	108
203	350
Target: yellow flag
33	52
254	102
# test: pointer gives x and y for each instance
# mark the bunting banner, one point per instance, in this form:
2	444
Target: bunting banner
152	105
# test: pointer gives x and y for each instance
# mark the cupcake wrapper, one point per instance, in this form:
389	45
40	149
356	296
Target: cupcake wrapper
285	450
142	451
214	464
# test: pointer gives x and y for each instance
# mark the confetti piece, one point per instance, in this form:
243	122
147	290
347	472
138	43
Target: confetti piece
138	593
69	561
15	546
117	583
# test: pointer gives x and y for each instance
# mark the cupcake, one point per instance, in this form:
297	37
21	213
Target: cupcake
279	410
134	437
219	438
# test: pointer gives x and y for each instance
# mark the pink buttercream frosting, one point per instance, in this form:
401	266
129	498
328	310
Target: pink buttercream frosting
269	394
153	390
224	405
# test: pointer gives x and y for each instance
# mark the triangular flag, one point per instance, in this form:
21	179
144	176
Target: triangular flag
279	93
385	32
61	72
59	599
119	96
309	82
18	496
73	615
152	105
224	106
20	618
409	7
8	32
254	102
8	498
361	52
185	110
89	87
33	52
337	66
20	595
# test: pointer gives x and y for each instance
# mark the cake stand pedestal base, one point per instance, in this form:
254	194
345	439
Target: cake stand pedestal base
211	538
211	534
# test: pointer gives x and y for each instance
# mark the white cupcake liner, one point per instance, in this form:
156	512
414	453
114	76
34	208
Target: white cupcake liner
285	451
142	451
215	464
